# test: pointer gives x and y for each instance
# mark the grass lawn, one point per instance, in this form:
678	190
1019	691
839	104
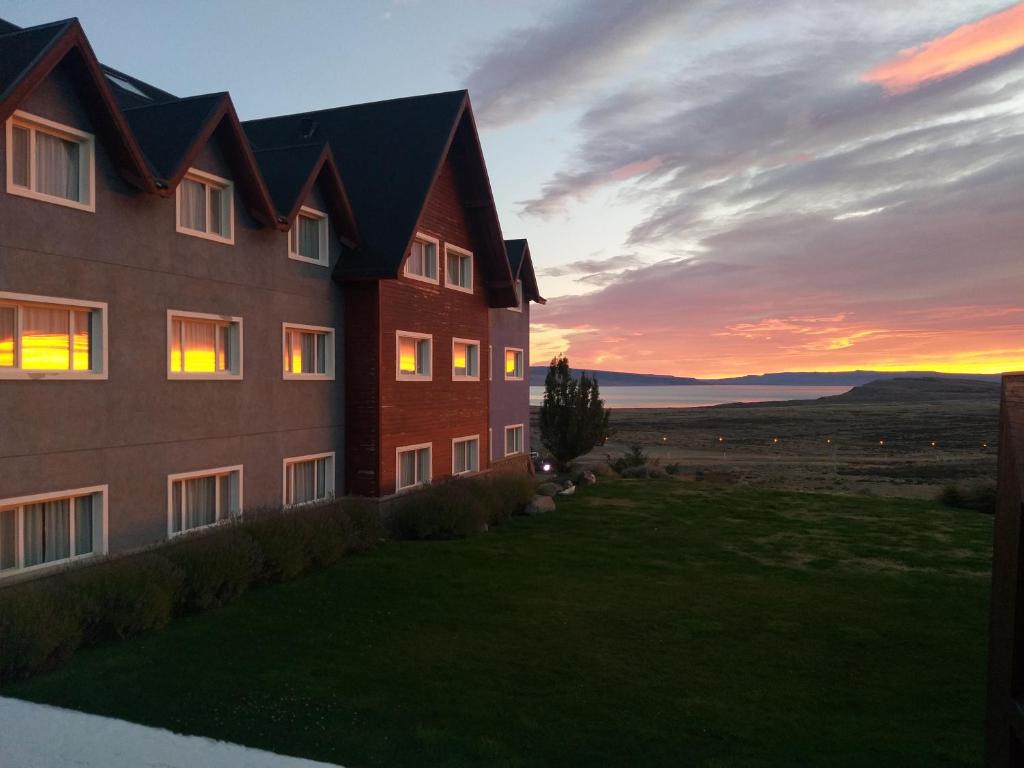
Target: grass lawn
644	623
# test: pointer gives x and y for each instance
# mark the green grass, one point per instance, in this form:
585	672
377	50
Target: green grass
644	623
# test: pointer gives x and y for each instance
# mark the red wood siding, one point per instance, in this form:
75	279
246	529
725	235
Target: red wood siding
436	411
362	385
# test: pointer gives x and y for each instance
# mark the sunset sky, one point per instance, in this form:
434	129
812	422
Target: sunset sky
709	187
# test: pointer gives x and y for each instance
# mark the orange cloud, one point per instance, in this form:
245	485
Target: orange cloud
963	48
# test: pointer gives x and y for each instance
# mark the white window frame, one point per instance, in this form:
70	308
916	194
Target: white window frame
208	180
86	160
98	338
463	253
519	297
466	377
490	362
398	466
435	280
522	364
206	375
329	350
399	376
522	440
466	439
293	460
216	472
322	231
19	502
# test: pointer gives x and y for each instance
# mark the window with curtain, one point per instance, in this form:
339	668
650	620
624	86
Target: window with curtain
308	351
465	455
51	530
458	271
198	500
465	359
513	440
413	466
513	363
204	345
205	206
308	479
307	239
35	336
422	261
50	161
414	356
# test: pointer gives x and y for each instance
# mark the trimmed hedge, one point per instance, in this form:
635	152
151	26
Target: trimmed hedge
43	622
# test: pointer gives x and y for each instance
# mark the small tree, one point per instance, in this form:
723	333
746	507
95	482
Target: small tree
573	418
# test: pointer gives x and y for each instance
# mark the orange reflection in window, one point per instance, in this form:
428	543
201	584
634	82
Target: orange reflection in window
459	359
45	351
7	353
407	356
510	362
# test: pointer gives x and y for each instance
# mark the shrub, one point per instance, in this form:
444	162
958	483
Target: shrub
39	629
446	510
217	566
674	468
980	497
362	523
645	472
125	597
505	494
283	539
634	457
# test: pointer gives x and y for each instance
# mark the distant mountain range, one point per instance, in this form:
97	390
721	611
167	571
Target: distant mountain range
795	378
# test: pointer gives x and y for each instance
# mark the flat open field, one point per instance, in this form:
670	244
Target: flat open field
904	463
648	623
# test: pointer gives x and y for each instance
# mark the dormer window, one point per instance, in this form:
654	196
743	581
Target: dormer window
458	269
49	161
519	297
307	240
206	206
422	261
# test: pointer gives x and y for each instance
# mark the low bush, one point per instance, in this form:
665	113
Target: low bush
217	566
644	472
283	540
634	457
980	497
40	628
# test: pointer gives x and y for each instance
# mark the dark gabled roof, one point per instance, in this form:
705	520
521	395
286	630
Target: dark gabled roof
391	152
521	263
291	172
30	55
132	92
172	133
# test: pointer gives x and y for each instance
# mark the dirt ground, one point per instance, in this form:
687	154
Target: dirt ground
901	449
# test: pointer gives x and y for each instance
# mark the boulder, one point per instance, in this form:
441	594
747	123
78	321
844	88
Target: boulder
586	477
539	505
548	489
568	490
603	470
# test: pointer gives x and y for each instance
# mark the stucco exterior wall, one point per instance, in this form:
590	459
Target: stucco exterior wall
133	429
510	400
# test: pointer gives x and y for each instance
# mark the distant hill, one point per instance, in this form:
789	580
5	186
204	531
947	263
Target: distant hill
807	378
918	390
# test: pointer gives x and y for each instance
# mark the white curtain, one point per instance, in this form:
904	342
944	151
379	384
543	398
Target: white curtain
303	482
19	160
228	495
200	339
309	237
423	465
47	531
321	353
460	457
406	468
200	501
8	539
57	166
45	338
321	477
193	205
6	337
415	263
219	211
84	525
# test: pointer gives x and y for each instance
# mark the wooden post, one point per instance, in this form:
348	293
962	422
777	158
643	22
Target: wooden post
1005	716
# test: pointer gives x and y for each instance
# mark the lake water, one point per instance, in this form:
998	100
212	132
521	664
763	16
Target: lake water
691	396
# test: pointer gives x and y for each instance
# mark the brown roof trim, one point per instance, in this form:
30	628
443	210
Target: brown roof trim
530	277
107	114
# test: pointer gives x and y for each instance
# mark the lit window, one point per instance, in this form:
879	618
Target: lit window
53	337
307	239
458	269
200	499
465	455
204	346
414	356
422	261
466	359
308	479
513	364
308	352
513	440
51	528
51	162
206	206
413	466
